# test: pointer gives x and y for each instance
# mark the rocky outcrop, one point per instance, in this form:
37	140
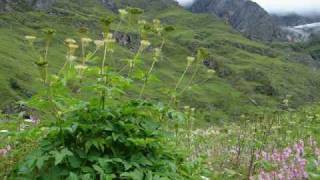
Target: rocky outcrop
10	5
148	4
244	15
41	4
109	4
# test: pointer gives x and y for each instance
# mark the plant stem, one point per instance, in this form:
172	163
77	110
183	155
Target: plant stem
147	77
103	93
178	83
155	60
46	60
138	54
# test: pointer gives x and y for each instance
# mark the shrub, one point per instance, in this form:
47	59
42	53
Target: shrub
121	142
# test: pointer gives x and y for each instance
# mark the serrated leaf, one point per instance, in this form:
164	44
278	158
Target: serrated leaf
60	156
98	169
41	160
134	175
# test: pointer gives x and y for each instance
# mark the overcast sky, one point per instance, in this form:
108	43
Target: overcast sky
282	6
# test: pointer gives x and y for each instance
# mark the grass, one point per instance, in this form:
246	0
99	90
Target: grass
233	93
243	104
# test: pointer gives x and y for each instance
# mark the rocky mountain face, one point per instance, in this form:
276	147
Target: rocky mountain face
244	15
9	5
148	4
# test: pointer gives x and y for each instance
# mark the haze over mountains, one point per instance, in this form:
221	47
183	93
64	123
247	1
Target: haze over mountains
254	21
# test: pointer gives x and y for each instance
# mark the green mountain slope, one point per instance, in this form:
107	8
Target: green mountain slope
250	75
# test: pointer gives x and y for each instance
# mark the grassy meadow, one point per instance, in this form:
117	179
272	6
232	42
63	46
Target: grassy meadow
154	94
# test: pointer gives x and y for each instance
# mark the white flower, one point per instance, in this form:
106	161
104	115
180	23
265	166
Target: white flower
30	38
86	40
204	178
109	41
190	60
156	21
70	41
142	22
123	12
109	36
99	43
81	67
73	46
145	44
157	52
211	71
71	58
28	121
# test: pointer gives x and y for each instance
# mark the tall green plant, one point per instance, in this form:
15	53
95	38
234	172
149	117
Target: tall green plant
100	132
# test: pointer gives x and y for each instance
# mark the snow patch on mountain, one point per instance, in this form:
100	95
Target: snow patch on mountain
302	32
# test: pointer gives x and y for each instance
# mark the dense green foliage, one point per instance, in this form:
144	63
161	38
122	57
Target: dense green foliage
115	143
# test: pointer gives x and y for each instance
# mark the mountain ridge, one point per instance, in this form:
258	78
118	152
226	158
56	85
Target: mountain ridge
245	16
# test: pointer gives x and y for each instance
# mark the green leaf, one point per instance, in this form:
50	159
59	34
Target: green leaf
86	177
98	169
41	160
72	176
60	156
134	175
74	162
149	176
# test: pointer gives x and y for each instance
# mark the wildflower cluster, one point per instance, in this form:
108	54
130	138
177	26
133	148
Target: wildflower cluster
288	163
4	151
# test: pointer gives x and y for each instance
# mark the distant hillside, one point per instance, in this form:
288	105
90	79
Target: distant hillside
250	75
10	5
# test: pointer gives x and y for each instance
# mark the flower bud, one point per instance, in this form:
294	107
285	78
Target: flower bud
81	67
71	58
30	38
73	46
123	13
86	41
190	60
157	52
186	107
99	43
145	44
142	22
211	71
70	41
